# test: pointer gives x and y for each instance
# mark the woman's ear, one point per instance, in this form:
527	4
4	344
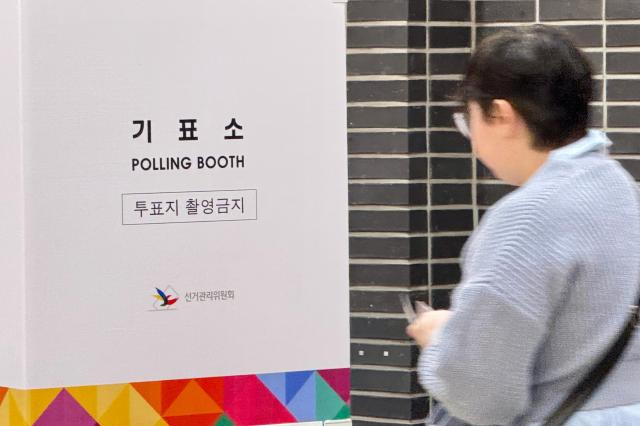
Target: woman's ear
506	118
503	112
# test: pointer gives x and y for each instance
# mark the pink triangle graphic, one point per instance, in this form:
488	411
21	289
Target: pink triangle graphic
65	411
339	379
247	401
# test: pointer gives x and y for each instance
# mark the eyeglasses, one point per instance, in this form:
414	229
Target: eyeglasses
462	123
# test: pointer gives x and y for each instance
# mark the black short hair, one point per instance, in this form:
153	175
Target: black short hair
542	73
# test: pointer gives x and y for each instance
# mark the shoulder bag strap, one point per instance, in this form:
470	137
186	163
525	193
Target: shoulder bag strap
596	376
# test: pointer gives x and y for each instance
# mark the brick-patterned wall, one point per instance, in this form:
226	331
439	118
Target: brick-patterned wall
388	171
416	191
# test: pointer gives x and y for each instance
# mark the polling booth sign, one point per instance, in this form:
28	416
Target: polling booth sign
173	234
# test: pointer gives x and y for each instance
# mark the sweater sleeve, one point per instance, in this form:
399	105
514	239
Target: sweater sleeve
480	364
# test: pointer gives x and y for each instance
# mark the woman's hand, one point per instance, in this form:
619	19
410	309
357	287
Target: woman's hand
423	329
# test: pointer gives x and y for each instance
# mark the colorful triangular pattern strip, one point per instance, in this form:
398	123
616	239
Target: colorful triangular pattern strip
298	396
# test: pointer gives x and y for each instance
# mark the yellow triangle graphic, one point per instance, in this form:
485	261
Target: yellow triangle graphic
118	413
15	415
20	402
107	394
141	412
39	400
87	397
192	400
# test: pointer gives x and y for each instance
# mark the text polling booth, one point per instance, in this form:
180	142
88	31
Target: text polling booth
174	232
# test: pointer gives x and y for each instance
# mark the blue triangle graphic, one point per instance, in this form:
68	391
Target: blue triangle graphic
303	403
275	382
294	383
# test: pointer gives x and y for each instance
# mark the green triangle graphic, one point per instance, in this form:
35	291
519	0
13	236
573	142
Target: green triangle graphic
224	420
345	413
328	403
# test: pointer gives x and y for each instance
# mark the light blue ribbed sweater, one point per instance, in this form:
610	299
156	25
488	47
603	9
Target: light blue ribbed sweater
548	277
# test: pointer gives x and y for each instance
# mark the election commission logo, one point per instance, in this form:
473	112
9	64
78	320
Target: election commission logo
166	299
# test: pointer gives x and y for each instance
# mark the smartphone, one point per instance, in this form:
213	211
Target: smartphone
408	309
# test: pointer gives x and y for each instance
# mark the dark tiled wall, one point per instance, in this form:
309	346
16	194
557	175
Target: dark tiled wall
389	226
416	191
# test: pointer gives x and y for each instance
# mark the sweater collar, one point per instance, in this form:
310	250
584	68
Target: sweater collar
594	141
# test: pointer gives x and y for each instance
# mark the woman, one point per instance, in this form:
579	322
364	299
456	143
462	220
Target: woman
550	273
